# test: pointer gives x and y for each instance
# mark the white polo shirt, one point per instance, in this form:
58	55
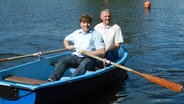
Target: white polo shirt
111	34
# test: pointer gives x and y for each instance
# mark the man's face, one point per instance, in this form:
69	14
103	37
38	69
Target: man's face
85	26
106	18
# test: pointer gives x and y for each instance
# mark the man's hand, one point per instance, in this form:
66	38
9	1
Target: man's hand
71	47
81	51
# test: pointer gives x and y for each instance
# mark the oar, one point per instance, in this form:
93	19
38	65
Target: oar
29	55
160	81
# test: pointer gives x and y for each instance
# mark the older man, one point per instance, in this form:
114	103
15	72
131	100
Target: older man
111	34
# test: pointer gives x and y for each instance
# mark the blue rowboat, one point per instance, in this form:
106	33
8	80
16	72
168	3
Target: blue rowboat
26	83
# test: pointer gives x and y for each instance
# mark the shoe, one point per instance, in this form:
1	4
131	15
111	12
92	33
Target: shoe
49	80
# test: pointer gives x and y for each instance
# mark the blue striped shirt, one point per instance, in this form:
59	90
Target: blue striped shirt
89	41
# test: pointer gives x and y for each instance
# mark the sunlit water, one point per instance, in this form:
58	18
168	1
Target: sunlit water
153	38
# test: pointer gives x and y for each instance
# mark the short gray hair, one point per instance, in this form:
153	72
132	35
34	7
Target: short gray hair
105	10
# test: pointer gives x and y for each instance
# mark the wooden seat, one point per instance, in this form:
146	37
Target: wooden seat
25	80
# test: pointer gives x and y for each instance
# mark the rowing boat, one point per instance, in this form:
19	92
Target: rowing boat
26	83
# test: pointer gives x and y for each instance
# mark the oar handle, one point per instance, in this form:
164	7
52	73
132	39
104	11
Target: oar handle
160	81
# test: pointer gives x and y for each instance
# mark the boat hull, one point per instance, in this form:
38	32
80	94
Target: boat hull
75	91
65	90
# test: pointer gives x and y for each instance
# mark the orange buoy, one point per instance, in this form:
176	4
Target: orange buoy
147	4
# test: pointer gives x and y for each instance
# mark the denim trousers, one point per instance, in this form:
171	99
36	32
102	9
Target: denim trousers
82	64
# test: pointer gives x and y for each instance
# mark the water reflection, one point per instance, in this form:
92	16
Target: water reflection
147	11
106	3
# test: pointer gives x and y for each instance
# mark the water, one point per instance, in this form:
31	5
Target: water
153	38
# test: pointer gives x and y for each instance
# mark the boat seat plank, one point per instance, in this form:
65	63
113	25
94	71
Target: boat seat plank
25	80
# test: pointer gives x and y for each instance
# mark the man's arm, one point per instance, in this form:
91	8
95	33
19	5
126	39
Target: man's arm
100	52
68	45
114	46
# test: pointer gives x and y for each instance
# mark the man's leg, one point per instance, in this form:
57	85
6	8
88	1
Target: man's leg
85	64
63	64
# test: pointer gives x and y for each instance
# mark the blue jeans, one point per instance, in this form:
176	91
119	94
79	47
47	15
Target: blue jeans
111	55
82	64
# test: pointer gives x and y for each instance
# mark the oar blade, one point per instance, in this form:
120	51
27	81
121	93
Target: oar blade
162	82
1	60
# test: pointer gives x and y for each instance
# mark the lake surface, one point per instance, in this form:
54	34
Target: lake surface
153	38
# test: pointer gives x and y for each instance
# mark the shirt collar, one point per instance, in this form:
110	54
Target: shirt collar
82	32
111	24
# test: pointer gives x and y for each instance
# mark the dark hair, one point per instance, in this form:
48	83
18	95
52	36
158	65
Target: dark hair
85	18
